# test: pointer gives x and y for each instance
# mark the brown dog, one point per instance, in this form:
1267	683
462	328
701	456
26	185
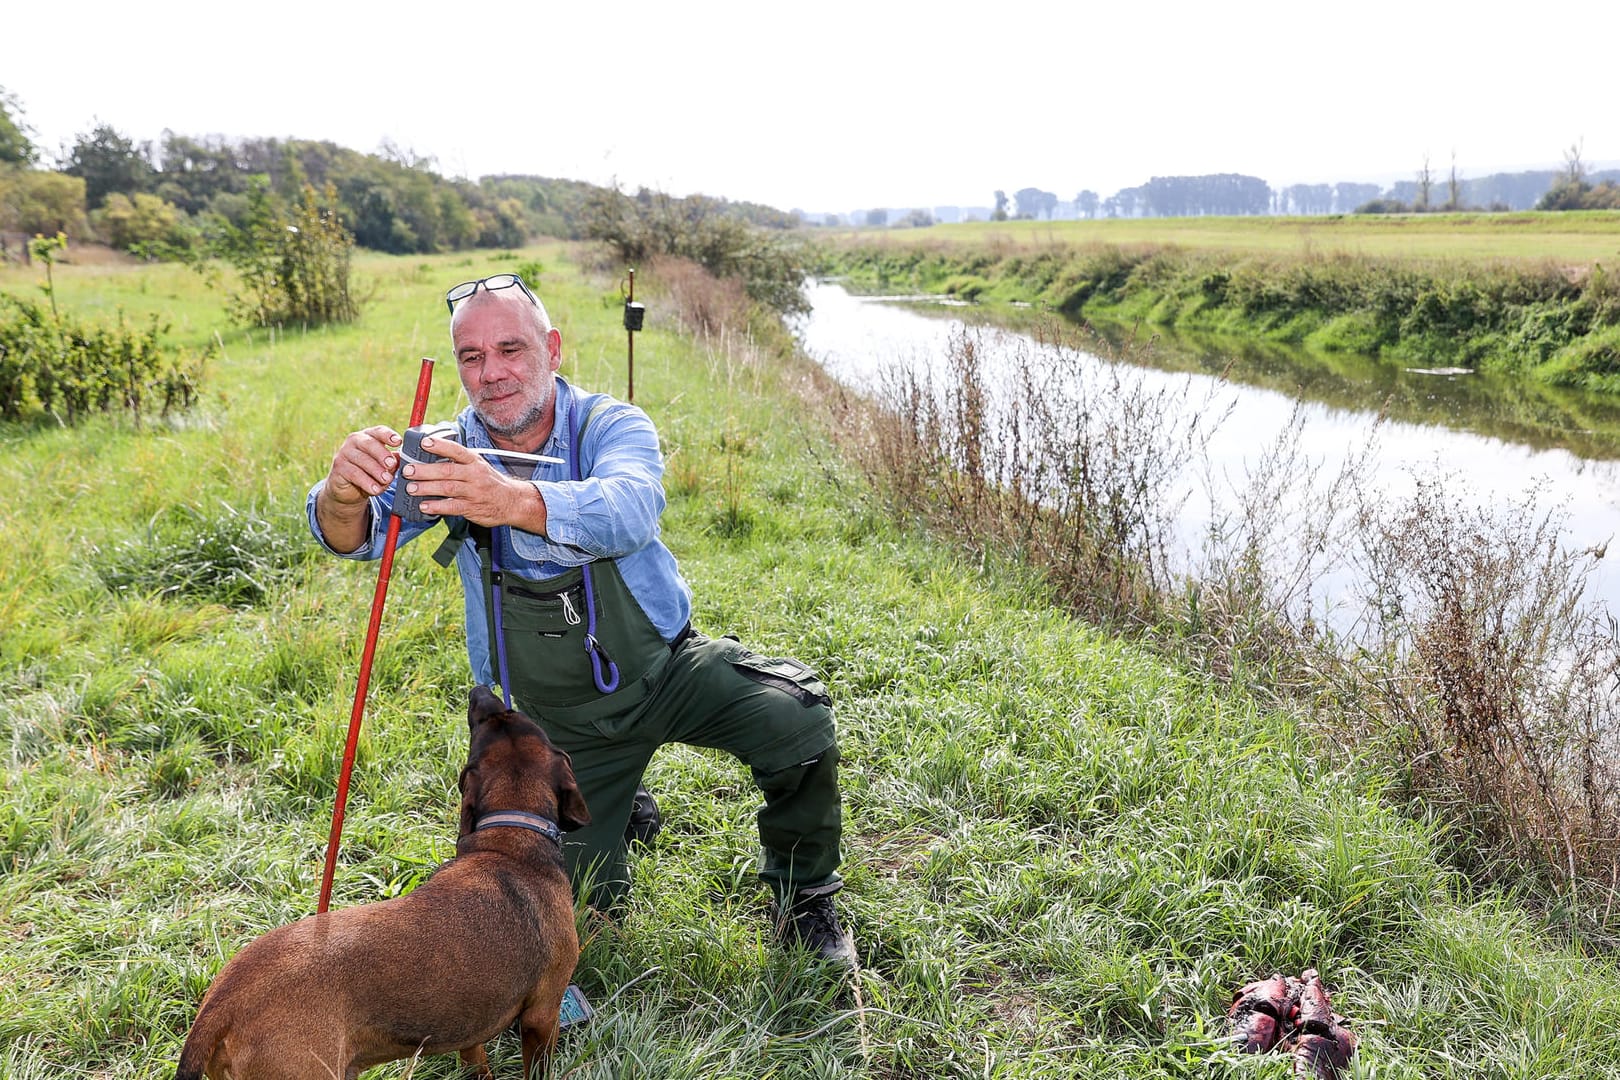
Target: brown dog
487	939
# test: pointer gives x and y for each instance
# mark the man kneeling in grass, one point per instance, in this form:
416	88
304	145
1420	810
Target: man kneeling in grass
552	498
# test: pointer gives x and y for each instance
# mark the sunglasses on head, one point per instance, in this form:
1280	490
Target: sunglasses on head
460	292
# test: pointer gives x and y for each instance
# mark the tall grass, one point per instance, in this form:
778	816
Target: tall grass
1466	661
1063	851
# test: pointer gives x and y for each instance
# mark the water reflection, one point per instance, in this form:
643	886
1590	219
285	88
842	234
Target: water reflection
1494	439
1514	410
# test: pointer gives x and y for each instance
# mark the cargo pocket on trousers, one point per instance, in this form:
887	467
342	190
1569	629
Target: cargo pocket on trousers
783	673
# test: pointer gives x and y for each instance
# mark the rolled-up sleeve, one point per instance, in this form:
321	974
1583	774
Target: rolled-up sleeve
381	506
614	511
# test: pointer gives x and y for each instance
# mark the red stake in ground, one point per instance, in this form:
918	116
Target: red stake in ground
424	382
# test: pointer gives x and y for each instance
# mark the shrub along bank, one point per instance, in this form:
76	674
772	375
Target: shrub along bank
1538	319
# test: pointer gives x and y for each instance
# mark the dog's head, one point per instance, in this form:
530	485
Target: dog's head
512	765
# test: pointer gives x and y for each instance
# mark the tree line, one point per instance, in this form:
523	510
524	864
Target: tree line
1573	187
177	197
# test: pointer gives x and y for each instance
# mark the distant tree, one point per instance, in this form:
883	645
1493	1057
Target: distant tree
1514	191
108	161
1034	203
405	157
1425	183
877	218
1167	196
16	147
1574	169
1307	198
1573	191
143	224
1191	196
1453	186
1347	197
917	219
501	224
38	202
1000	212
1087	202
194	172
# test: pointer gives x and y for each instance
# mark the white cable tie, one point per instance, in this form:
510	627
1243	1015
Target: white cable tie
516	455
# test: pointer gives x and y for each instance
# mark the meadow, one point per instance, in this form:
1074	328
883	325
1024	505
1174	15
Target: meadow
1576	238
1063	852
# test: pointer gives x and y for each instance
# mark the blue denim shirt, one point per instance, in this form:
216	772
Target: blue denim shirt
611	514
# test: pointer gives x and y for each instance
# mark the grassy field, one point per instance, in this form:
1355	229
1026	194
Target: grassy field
1575	239
1063	854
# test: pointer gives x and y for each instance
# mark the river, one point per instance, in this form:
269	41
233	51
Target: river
1493	440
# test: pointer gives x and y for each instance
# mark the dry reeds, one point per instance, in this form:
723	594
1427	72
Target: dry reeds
1467	661
1497	675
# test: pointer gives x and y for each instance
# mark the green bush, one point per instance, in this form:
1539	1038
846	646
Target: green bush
965	286
1356	332
143	224
770	264
294	263
54	364
1592	361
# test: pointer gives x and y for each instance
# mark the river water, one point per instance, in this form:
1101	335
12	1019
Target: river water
1492	442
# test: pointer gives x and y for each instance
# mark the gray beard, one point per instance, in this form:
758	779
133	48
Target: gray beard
511	431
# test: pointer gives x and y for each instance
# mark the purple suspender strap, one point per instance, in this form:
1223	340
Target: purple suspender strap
607	681
604	672
500	625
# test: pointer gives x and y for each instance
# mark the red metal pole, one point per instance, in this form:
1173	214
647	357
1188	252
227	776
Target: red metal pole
424	382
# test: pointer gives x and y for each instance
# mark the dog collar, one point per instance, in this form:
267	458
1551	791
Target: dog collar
520	819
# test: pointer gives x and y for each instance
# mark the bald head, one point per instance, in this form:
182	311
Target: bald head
531	309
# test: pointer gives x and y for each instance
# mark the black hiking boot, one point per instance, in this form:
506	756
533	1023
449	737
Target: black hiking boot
645	820
811	923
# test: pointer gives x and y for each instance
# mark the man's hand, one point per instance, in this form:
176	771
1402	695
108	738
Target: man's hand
363	466
467	486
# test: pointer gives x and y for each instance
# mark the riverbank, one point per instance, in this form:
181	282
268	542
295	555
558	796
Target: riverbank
1525	315
1064	853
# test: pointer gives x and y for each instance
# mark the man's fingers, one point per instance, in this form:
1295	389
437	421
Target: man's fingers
449	448
364	464
477	493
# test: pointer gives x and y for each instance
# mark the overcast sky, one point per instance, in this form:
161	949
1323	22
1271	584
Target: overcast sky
838	105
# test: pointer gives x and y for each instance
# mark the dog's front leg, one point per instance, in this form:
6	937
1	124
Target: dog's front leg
475	1059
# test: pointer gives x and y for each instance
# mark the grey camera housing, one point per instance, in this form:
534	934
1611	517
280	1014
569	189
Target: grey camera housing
409	507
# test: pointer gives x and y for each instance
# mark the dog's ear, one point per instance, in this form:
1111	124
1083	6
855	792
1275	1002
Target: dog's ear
469	800
571	810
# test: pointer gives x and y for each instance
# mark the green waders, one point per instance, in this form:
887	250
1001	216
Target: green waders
772	714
